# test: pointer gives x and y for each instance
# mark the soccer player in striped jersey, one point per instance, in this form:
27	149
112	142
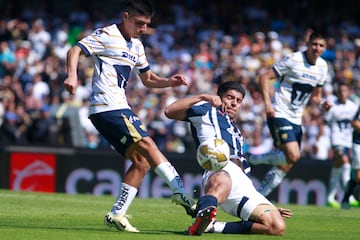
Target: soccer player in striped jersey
355	162
116	51
212	116
339	119
300	77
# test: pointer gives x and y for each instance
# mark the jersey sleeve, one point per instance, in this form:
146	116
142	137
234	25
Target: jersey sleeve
324	72
283	66
94	43
199	109
142	64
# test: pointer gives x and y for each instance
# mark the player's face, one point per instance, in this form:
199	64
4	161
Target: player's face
344	93
231	102
136	25
316	47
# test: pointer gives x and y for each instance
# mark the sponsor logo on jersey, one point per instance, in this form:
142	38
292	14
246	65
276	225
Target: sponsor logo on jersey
128	56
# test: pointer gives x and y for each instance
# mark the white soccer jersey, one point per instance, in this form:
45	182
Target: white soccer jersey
339	118
114	59
297	78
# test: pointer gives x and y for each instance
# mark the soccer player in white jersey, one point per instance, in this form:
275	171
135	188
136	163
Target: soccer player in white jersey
354	181
300	77
116	51
339	119
212	116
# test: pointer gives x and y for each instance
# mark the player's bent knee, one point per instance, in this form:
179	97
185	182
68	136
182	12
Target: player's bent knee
292	158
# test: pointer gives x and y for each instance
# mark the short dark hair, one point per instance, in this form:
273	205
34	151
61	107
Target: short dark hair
230	85
139	7
316	35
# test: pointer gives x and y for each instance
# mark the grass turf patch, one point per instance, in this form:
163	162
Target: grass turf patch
26	215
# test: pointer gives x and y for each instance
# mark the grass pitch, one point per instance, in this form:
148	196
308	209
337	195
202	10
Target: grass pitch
25	215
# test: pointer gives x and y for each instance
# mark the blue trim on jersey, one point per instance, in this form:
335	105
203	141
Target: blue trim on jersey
277	73
86	51
241	205
145	69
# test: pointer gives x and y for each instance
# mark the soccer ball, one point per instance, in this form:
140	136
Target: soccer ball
213	154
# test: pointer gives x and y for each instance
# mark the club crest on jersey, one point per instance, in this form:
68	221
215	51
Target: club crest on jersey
128	56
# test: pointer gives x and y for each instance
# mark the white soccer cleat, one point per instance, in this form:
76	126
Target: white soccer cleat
119	221
187	203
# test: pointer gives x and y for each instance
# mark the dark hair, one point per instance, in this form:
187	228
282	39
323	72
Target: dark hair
316	35
230	85
139	7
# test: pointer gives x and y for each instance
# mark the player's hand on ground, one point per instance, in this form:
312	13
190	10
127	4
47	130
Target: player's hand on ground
285	213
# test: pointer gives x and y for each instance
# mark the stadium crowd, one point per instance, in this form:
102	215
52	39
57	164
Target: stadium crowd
235	41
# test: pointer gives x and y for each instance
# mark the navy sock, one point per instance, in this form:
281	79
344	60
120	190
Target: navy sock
349	190
206	201
243	227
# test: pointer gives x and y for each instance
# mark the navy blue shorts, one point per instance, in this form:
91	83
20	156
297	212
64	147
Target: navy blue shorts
121	128
340	151
283	131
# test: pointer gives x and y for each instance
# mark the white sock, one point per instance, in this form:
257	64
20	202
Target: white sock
126	196
274	157
169	174
345	174
334	180
271	180
219	226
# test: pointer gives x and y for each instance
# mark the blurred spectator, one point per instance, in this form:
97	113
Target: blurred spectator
40	38
220	47
7	59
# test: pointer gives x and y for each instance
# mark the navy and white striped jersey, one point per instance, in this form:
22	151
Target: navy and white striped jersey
356	134
207	121
114	59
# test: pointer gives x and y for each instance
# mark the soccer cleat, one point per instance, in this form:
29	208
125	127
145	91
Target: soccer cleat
187	203
345	205
353	202
119	221
202	221
210	228
333	204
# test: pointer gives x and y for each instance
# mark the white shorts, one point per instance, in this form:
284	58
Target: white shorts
355	160
243	197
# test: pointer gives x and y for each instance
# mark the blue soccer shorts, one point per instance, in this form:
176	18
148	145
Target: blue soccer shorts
121	128
283	131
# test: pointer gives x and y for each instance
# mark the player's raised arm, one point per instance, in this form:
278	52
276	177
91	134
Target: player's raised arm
71	81
177	110
152	80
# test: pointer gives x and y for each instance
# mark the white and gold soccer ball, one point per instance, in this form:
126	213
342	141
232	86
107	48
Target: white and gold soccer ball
213	154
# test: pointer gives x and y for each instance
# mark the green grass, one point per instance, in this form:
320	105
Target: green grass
25	215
